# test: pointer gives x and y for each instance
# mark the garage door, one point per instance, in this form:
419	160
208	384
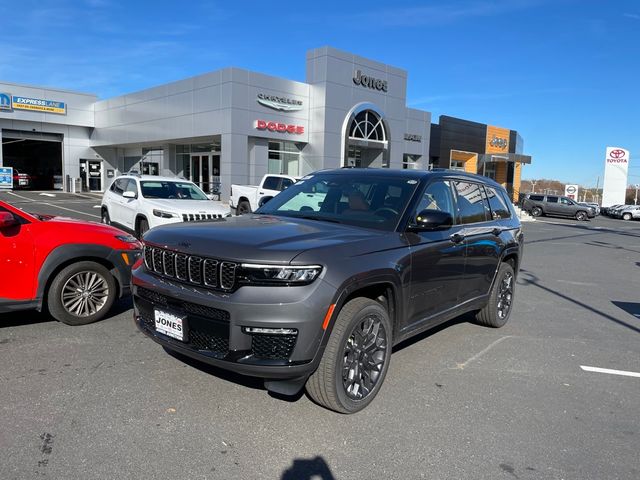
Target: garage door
36	159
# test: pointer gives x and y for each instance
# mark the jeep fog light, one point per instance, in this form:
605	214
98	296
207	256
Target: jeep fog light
270	331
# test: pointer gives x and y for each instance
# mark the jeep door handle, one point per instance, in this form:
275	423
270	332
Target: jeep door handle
457	237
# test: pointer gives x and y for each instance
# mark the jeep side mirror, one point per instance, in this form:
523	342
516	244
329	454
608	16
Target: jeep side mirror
432	220
7	220
129	194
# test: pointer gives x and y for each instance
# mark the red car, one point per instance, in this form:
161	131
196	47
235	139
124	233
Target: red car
21	180
72	268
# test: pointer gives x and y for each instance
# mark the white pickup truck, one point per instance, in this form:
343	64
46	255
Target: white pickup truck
246	198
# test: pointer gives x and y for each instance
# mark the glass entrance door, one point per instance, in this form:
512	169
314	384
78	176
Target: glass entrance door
205	172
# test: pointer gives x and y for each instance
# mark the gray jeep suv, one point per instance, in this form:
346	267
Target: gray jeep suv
555	205
318	285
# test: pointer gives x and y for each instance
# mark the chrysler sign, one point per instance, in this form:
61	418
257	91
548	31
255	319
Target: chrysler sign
282	104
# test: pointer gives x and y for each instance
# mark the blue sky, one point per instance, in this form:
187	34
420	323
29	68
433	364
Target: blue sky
564	73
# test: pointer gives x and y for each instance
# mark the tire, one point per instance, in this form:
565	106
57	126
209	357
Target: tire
581	215
105	216
68	305
142	227
495	313
327	386
626	216
536	212
243	208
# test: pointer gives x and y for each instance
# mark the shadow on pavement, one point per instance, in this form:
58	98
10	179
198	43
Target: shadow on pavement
232	377
23	318
528	278
631	308
307	469
466	318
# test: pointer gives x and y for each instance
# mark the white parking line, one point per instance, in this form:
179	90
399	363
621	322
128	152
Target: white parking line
20	196
72	210
610	371
460	366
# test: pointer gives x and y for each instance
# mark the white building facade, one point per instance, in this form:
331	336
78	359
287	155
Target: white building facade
224	127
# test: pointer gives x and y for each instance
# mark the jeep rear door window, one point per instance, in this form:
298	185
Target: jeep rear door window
498	207
472	206
370	202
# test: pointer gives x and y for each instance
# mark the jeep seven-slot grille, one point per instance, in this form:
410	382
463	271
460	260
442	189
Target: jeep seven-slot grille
194	217
192	269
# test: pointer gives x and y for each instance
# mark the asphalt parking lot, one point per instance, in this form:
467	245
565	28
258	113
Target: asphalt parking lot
102	401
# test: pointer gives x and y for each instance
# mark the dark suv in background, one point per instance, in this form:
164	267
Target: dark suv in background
555	205
318	285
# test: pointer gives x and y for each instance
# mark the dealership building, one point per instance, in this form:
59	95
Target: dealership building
234	126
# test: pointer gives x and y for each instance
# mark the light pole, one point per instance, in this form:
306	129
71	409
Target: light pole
636	199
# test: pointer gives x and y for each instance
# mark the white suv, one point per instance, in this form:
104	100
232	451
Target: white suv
138	203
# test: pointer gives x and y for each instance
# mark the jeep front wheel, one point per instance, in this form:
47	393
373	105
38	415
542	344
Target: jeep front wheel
536	212
81	293
626	216
580	216
355	360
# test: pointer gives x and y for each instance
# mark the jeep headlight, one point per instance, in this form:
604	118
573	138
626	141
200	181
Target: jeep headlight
164	214
255	274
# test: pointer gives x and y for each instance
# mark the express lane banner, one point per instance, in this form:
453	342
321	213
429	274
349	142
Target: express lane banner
38	105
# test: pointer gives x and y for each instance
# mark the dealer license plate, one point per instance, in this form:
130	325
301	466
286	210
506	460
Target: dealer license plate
23	182
170	324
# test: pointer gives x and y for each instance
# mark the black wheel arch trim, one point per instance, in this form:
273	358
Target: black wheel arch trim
77	252
351	286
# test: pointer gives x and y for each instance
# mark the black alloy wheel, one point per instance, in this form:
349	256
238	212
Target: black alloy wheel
356	358
505	296
364	356
497	311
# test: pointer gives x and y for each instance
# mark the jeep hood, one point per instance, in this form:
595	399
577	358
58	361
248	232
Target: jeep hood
187	206
263	238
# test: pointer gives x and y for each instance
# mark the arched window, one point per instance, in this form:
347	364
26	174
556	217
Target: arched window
367	125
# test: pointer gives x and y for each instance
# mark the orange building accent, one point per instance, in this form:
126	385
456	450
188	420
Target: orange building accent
497	140
470	160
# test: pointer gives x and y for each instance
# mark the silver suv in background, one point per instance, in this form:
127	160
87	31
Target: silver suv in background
629	212
556	205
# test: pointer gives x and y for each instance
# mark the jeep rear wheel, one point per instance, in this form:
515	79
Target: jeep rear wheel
497	311
536	212
81	293
580	216
356	358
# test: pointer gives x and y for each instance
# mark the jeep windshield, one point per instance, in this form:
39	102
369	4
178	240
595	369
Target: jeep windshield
171	190
371	202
